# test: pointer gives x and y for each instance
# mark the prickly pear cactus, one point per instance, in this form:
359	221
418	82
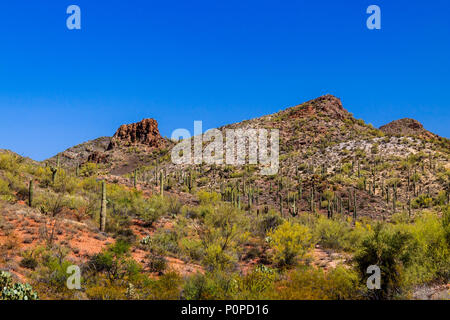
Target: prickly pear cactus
15	291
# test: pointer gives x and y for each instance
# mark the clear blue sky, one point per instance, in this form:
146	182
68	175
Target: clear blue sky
220	61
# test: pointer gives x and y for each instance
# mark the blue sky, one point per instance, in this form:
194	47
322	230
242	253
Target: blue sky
217	61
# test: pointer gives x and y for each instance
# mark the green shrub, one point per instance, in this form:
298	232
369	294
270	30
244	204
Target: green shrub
217	285
257	284
389	250
156	263
289	242
192	248
431	257
331	233
308	283
206	198
29	263
9	162
115	262
267	222
422	201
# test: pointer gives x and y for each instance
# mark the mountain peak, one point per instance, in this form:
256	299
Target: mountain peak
327	104
406	126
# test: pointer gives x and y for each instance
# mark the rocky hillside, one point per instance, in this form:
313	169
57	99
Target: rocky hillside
131	146
172	228
323	149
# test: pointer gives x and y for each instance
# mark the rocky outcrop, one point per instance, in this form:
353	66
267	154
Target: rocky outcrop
406	127
144	133
98	157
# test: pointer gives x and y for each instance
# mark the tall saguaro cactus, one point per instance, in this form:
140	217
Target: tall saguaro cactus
30	194
103	208
161	184
54	171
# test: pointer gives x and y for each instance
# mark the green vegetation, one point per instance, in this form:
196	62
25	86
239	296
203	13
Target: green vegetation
212	232
10	290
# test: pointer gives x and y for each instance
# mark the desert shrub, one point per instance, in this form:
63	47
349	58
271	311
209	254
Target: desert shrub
156	263
50	203
174	206
217	258
164	241
391	251
431	257
289	242
223	230
346	168
29	262
197	212
106	292
167	287
64	182
441	198
88	169
10	290
4	187
5	191
331	233
422	201
375	148
308	283
206	198
90	185
216	285
16	182
9	162
115	262
150	210
267	222
257	283
193	248
339	233
50	275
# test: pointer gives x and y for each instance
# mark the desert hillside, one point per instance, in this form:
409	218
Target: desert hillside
346	196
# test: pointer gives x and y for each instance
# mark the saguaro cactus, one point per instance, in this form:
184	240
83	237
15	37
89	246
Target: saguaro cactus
54	171
135	178
103	208
300	191
30	194
161	184
281	204
312	199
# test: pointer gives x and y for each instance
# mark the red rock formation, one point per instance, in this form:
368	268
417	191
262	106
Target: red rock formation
145	132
